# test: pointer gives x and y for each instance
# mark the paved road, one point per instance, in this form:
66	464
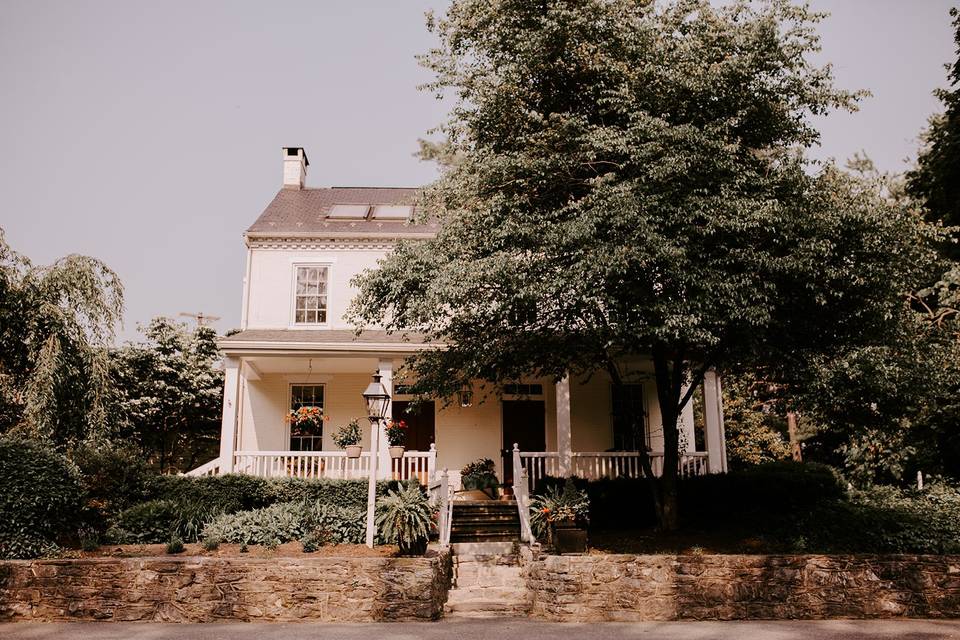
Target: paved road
495	630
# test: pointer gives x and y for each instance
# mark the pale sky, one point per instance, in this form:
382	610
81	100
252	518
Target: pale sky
148	134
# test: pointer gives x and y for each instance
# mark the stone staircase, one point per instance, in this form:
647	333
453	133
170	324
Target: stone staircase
485	521
487	581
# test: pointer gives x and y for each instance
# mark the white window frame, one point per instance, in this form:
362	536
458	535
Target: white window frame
290	386
295	267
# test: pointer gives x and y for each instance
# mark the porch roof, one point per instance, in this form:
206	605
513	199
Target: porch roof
335	340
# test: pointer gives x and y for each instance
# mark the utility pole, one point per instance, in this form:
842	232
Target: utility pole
200	317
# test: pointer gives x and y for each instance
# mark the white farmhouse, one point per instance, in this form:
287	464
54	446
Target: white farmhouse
296	349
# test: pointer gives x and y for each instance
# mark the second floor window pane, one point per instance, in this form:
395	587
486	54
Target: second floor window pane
310	306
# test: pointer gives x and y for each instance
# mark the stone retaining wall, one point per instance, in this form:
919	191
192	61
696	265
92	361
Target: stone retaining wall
202	589
731	587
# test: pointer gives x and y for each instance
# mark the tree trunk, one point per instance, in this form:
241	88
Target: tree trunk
669	381
795	452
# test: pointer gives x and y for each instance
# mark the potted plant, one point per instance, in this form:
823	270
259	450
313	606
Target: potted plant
348	437
479	481
396	437
306	421
404	518
562	517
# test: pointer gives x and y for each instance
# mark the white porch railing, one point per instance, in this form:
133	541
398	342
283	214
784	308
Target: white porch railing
441	497
211	468
604	464
417	465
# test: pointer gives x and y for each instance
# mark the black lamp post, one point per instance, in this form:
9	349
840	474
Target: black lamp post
377	399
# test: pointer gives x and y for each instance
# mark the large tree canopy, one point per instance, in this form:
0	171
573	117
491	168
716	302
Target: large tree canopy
169	394
935	181
56	322
631	180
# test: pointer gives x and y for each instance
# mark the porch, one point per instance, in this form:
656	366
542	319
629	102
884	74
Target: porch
575	426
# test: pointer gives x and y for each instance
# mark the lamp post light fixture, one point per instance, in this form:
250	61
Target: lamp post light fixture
377	399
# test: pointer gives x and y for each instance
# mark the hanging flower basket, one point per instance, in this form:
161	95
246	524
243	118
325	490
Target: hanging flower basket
397	452
306	421
353	450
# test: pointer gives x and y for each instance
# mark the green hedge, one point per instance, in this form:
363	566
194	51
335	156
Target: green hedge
765	490
40	498
792	507
238	492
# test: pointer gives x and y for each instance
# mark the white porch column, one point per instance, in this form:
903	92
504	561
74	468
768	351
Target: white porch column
385	462
231	408
563	428
713	418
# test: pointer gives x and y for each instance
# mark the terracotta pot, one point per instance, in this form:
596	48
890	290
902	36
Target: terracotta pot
353	450
396	452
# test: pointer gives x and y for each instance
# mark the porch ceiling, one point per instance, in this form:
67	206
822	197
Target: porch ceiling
329	342
294	364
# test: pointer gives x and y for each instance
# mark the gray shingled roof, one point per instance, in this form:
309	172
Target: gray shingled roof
321	336
306	210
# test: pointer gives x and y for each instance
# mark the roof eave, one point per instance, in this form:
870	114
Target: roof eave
314	235
236	347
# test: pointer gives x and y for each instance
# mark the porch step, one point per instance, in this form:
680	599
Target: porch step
485	521
487	582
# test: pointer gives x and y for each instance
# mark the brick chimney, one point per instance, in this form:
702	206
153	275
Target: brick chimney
295	165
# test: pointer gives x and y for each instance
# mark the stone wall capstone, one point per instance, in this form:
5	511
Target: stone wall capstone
203	589
734	587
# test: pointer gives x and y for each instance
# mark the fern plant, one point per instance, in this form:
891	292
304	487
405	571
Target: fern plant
403	518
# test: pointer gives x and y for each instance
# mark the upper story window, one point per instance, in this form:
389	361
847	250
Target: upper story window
310	301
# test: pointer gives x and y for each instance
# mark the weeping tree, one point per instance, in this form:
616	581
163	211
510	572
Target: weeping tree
56	323
630	179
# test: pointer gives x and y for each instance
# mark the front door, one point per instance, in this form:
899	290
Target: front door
524	424
421	427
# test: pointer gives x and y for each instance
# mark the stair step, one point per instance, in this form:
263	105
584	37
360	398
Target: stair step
504	597
474	531
498	552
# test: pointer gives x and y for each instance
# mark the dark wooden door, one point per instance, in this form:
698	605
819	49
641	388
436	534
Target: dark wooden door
421	426
524	424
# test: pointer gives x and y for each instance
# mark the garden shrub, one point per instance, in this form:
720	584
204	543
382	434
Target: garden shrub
288	521
149	522
40	498
882	519
114	478
183	505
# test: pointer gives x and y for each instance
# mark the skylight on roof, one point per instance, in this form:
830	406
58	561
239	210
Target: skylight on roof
349	211
392	211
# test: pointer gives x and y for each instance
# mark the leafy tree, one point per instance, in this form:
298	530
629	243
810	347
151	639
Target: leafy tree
169	394
886	411
56	322
936	179
631	181
753	421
